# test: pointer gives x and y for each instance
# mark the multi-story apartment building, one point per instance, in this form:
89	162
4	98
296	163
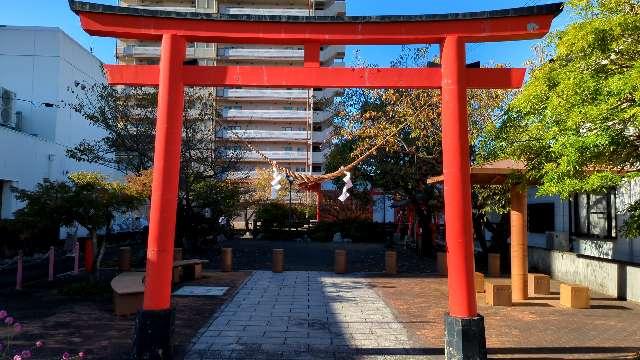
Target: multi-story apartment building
289	126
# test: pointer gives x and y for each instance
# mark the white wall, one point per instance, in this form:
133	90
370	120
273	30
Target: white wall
39	65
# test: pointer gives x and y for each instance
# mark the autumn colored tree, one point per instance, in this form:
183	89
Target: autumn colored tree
408	125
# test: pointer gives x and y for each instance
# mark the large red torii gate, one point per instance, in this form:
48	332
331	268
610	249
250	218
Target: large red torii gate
464	327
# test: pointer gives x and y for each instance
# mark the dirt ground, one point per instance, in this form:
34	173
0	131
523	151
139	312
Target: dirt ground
86	323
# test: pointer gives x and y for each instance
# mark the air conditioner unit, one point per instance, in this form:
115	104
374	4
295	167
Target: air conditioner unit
18	124
558	240
6	107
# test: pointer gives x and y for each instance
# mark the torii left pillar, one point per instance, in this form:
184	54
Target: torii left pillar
154	324
464	327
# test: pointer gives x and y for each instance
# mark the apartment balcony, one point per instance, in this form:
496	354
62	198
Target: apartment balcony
148	51
264	135
268	114
335	9
328	93
321	136
263	94
240	175
318	157
288	156
277	54
322	116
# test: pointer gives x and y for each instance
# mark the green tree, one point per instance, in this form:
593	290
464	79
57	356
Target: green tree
46	210
580	110
94	201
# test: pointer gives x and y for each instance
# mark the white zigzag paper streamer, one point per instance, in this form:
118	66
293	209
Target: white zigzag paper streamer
275	184
347	185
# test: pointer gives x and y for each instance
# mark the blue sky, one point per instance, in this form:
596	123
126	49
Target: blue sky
57	13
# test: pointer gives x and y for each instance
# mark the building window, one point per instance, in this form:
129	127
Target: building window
316	168
316	148
541	218
594	215
317	127
288	148
287	129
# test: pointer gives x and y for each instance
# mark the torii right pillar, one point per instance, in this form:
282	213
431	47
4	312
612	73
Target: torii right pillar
464	327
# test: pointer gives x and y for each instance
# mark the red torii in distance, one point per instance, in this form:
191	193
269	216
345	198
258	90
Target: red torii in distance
464	327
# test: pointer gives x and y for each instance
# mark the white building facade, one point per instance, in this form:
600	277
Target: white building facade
38	65
290	126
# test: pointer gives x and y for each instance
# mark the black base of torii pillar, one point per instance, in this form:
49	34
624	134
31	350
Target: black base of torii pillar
464	338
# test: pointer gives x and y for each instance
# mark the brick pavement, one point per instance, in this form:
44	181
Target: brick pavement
534	329
304	315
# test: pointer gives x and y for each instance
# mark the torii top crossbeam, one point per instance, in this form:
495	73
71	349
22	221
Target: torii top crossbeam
313	32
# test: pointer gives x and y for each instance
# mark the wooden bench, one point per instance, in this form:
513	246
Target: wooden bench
575	296
188	269
497	293
539	284
128	292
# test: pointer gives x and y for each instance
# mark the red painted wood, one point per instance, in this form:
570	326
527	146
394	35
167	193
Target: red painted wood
288	77
166	168
312	55
457	180
325	33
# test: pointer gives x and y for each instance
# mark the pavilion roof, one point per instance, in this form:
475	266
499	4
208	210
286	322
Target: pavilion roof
492	173
546	9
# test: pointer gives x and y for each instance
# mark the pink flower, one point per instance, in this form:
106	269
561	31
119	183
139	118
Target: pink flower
17	327
39	343
3	314
17	357
66	356
81	355
26	354
9	320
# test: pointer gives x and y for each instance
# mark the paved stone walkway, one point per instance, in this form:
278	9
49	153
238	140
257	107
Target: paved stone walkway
304	315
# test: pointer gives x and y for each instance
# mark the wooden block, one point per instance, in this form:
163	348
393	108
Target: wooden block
341	261
494	265
575	296
497	294
539	284
441	263
479	282
391	262
192	271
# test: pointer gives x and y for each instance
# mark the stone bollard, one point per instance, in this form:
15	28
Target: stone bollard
493	266
227	260
539	284
391	262
177	254
278	260
341	261
441	263
52	258
124	259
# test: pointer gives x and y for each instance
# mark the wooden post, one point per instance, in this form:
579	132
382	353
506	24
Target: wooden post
493	267
52	255
391	262
227	260
340	261
19	274
519	261
76	258
124	259
277	260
